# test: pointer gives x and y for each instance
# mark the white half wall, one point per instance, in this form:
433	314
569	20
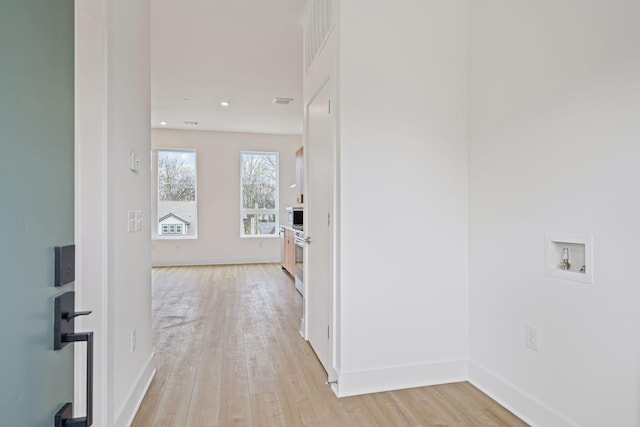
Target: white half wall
555	107
218	186
129	254
114	266
403	194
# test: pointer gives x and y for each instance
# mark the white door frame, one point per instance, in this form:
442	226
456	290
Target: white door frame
91	237
333	246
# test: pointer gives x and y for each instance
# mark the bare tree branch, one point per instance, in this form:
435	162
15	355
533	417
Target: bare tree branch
176	181
259	181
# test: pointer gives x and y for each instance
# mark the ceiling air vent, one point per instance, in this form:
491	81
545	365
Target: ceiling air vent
190	122
282	101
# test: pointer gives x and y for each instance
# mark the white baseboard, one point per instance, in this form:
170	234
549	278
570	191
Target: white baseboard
400	377
228	261
126	415
526	407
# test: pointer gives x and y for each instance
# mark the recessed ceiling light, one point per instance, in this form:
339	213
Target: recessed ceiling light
185	99
225	103
282	101
163	123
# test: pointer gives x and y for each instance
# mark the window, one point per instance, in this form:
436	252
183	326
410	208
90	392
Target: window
259	194
177	203
172	229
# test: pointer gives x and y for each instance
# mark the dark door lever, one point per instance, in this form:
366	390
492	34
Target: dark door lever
69	316
64	333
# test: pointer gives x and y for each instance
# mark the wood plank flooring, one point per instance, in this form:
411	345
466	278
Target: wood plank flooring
228	353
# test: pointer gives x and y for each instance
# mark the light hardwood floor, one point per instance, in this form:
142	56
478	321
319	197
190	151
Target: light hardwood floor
228	353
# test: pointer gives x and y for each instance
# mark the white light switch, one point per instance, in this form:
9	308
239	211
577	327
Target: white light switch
134	162
138	220
131	221
531	337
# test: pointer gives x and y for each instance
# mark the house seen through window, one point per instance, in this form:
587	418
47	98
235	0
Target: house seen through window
177	202
259	194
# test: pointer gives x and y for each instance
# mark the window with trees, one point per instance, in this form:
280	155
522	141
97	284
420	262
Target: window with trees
177	201
259	194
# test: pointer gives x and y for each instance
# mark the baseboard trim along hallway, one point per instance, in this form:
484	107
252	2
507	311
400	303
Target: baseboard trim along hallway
515	400
128	412
401	377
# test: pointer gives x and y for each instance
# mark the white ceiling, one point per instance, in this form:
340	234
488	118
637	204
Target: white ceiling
246	52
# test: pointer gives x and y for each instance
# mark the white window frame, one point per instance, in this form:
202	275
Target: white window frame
156	229
275	211
178	229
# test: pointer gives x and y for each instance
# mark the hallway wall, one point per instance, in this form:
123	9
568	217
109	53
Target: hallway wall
403	194
114	266
555	101
129	271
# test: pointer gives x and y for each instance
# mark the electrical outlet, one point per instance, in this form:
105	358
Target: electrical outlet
531	337
133	340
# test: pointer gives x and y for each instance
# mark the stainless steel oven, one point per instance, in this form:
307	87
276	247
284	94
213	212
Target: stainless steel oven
299	243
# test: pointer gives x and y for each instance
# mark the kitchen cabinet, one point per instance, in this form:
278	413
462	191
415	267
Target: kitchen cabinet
289	251
300	175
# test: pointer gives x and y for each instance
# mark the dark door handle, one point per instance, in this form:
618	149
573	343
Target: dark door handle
69	316
63	417
64	333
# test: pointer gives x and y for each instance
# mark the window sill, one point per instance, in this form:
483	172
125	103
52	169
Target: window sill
174	237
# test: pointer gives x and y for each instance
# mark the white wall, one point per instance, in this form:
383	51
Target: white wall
129	254
112	119
403	202
218	184
555	102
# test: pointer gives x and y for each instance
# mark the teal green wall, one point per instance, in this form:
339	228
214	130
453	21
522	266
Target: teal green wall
36	203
